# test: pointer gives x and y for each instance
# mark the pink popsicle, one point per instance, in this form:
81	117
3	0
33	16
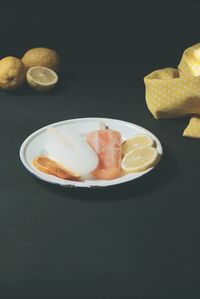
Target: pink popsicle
107	144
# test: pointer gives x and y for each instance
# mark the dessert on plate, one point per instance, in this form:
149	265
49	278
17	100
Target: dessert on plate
101	154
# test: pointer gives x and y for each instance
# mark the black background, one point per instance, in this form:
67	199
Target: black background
137	240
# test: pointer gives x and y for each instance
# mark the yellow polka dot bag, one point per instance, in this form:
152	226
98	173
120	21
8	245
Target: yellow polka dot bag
168	94
174	92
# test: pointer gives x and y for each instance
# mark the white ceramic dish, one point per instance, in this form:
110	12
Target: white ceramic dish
33	146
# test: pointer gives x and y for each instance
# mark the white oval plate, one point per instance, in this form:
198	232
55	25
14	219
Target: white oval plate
33	146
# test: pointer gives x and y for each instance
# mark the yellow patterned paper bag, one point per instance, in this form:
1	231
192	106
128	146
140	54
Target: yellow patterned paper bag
170	95
193	128
189	65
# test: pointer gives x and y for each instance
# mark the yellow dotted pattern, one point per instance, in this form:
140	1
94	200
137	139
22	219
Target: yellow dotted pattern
189	65
193	128
176	92
184	69
170	95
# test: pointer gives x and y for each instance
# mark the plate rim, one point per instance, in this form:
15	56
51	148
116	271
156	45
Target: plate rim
83	184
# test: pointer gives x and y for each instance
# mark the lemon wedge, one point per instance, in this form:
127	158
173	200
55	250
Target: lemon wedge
136	141
140	159
41	78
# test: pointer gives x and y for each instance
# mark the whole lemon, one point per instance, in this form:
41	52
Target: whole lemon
41	57
12	73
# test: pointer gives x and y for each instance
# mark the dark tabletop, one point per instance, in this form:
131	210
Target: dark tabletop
136	240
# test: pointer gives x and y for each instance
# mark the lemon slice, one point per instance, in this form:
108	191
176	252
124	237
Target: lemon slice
140	159
136	141
41	78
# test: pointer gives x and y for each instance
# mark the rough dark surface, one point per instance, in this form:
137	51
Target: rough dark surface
136	240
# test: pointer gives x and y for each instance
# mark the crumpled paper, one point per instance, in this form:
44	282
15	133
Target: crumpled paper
168	95
189	65
193	128
174	92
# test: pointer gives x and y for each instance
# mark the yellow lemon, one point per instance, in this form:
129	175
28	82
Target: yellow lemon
140	159
41	78
41	57
12	73
135	141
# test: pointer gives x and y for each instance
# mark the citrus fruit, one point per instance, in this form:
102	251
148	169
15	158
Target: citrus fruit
41	78
41	57
140	159
12	73
135	141
50	166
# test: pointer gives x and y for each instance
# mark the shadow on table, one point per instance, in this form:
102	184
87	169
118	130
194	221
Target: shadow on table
65	78
165	172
